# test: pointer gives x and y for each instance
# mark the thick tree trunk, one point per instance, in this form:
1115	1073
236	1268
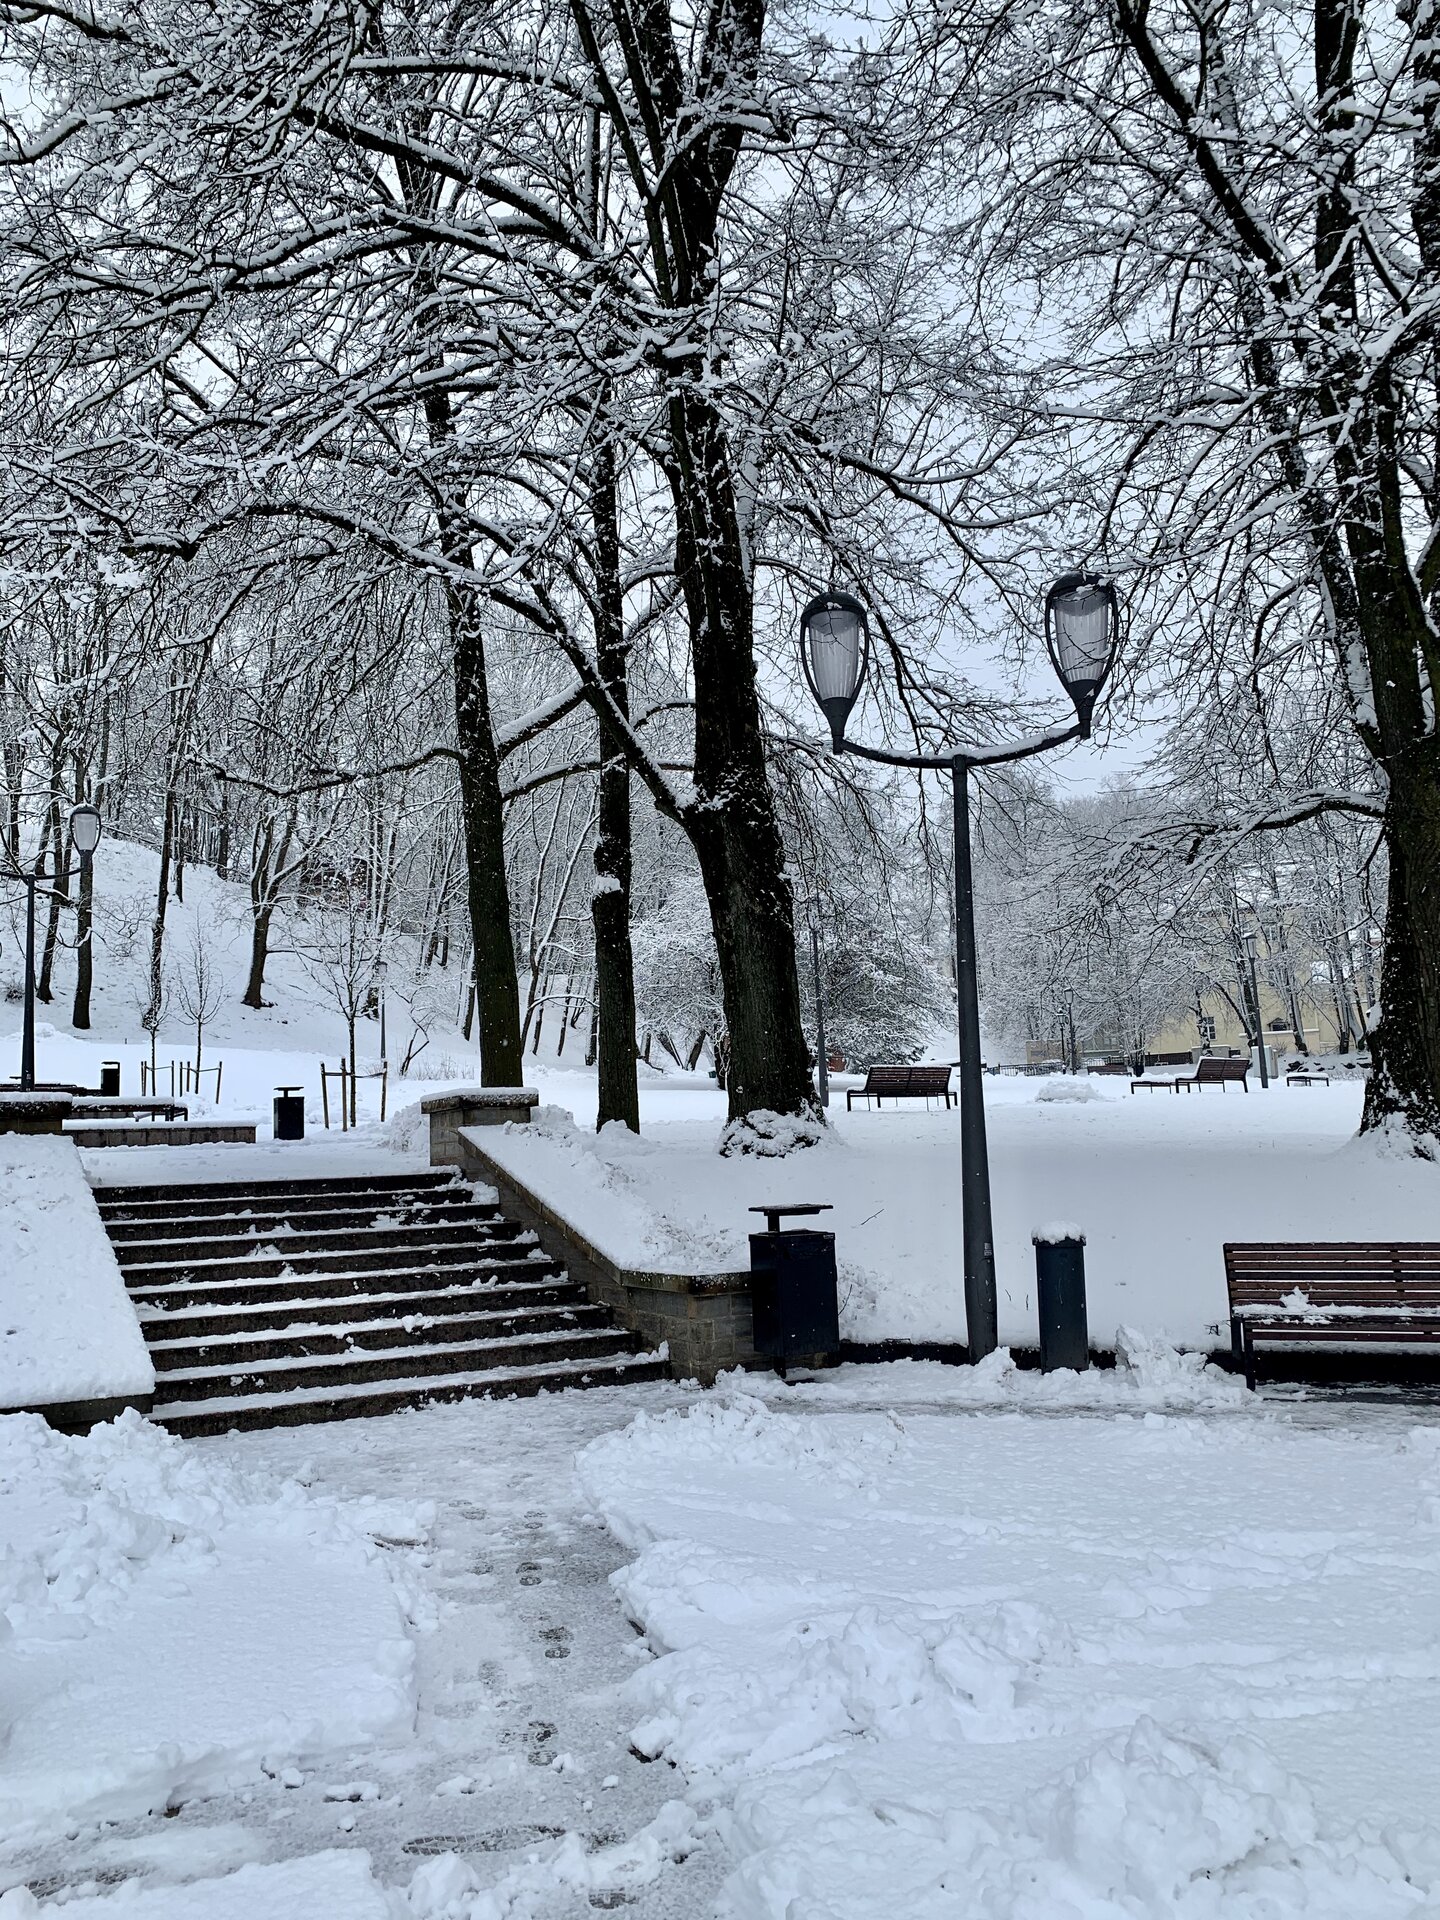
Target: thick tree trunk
619	1087
59	894
84	948
482	807
1403	1092
734	829
254	994
497	990
156	996
267	864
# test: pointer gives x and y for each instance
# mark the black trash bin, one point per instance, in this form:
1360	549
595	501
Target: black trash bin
110	1078
793	1290
289	1113
1060	1287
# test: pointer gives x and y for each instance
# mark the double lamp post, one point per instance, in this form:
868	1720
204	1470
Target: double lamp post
1081	627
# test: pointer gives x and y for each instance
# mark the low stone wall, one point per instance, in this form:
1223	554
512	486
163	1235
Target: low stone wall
161	1133
450	1113
34	1112
704	1318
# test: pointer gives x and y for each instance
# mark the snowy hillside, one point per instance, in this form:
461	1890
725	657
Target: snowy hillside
260	1047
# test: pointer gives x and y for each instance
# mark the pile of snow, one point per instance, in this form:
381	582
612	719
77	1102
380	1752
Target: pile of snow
67	1329
1075	1089
1136	1668
172	1626
1149	1376
593	1181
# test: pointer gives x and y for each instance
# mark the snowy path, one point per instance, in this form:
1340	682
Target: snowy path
520	1721
912	1649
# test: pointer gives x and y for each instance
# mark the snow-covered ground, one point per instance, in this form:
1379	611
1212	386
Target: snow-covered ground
67	1329
912	1641
177	1626
906	1640
1157	1182
380	1655
939	1665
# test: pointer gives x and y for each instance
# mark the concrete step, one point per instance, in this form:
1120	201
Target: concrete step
319	1283
231	1194
382	1234
233	1412
276	1302
415	1362
340	1214
270	1261
242	1346
245	1317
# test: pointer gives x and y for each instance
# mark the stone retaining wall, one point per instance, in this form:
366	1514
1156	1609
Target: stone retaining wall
704	1318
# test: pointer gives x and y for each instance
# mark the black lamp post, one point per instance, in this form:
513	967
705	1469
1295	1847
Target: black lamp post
85	828
822	1063
1081	625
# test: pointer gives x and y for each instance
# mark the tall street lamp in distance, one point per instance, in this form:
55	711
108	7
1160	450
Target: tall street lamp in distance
1082	618
85	828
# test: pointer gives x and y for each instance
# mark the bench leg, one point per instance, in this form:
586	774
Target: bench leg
1249	1360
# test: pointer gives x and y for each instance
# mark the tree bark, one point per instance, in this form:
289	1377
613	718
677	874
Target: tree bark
156	994
618	1083
482	808
733	828
254	994
1404	1083
59	894
497	988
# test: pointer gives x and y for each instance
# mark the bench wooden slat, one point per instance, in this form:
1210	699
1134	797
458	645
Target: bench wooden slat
903	1083
1356	1293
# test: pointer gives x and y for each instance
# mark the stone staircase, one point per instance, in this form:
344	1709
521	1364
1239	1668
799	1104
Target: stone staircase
276	1302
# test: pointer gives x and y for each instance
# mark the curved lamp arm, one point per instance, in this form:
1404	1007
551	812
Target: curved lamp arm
967	757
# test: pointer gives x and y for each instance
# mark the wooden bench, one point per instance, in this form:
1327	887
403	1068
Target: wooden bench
1306	1077
1210	1071
160	1133
902	1083
1332	1293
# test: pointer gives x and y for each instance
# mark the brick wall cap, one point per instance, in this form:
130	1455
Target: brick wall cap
459	1098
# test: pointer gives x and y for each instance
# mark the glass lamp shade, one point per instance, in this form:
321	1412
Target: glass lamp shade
1081	623
84	830
834	651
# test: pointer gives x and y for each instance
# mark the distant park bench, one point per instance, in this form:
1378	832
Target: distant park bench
902	1083
1210	1071
1332	1293
1306	1077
